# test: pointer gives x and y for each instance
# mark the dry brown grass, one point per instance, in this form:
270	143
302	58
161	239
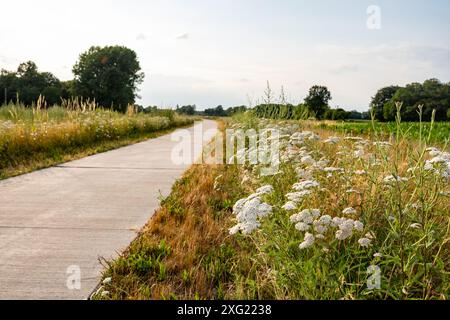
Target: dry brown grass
193	224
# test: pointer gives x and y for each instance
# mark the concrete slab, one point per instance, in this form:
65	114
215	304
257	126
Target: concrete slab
56	220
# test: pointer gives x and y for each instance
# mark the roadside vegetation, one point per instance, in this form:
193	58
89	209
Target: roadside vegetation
38	137
347	216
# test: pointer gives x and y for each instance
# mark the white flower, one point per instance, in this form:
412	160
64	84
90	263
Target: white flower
289	206
235	229
345	229
264	209
303	174
307	160
239	205
107	280
370	235
391	178
359	153
248	211
325	219
360	172
308	241
364	242
298	196
265	189
415	226
104	293
305	185
377	255
349	211
301	226
249	226
433	151
320	228
333	169
358	225
332	140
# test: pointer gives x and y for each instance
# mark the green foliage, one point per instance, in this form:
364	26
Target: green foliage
27	84
317	100
336	114
109	75
282	111
217	112
382	97
432	95
188	110
439	132
30	136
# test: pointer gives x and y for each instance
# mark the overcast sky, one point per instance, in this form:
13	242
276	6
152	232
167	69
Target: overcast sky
222	51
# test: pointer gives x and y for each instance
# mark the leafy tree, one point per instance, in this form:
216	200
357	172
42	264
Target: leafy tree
432	94
336	114
189	109
383	96
238	109
27	83
217	111
110	75
317	100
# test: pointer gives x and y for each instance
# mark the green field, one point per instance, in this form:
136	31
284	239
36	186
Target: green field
438	132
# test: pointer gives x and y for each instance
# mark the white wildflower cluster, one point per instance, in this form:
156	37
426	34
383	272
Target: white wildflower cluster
250	210
332	140
302	189
391	179
322	226
439	163
294	149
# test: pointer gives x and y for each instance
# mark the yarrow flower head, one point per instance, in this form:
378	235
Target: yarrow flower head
364	242
289	206
305	185
349	211
250	210
308	241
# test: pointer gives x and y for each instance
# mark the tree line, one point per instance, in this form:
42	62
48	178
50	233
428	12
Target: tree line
432	95
109	75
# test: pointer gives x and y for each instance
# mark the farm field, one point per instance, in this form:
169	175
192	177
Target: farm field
346	216
439	132
34	138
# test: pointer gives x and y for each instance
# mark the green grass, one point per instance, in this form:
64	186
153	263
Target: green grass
440	131
32	138
408	222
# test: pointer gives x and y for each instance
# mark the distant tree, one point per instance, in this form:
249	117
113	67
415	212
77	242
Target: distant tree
189	109
67	89
336	114
317	100
383	96
110	75
217	111
356	115
432	95
238	109
27	84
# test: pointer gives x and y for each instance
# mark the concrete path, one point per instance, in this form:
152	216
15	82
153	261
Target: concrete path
58	221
